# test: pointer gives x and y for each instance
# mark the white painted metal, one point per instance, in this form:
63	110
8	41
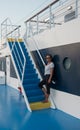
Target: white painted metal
66	102
53	15
2	77
24	60
8	30
58	36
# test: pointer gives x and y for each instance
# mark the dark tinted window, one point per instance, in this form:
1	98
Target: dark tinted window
69	16
12	70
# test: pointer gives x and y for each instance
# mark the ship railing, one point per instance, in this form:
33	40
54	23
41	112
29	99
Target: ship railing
8	30
56	13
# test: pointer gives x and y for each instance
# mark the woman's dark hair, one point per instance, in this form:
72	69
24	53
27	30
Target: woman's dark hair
49	56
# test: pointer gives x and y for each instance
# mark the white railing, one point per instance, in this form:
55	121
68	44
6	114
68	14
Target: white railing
35	45
8	30
52	15
37	49
24	61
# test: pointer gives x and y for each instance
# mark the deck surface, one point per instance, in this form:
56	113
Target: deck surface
15	116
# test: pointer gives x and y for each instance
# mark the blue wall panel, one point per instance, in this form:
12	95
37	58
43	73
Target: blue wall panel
66	80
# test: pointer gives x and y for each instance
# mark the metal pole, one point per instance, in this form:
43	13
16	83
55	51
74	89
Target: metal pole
26	34
76	12
51	22
50	17
18	32
6	30
29	27
1	33
37	24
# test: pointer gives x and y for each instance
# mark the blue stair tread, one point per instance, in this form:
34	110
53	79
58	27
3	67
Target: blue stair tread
36	98
34	92
29	71
28	61
28	81
31	86
29	66
28	76
31	74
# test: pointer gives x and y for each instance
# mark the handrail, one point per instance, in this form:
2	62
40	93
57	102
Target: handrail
47	19
9	30
37	49
24	61
13	30
40	53
42	10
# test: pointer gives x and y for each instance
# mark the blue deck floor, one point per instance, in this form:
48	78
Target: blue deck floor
15	116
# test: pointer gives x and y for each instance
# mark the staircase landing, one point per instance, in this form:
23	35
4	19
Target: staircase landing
39	105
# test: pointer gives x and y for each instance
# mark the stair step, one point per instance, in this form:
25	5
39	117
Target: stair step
30	76
27	57
31	86
39	105
34	80
34	92
36	98
29	71
29	66
28	61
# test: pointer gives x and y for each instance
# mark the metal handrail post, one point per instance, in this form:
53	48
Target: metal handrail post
76	12
29	27
37	24
26	31
50	16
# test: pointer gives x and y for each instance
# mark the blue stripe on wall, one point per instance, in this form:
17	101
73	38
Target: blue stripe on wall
66	80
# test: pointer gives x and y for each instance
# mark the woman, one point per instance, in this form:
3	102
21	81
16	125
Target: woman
48	74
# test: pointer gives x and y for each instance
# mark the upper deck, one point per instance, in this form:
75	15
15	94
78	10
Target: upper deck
55	14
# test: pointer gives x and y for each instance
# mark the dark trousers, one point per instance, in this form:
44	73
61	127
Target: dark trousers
45	82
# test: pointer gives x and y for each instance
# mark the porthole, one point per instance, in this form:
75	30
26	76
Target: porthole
67	63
